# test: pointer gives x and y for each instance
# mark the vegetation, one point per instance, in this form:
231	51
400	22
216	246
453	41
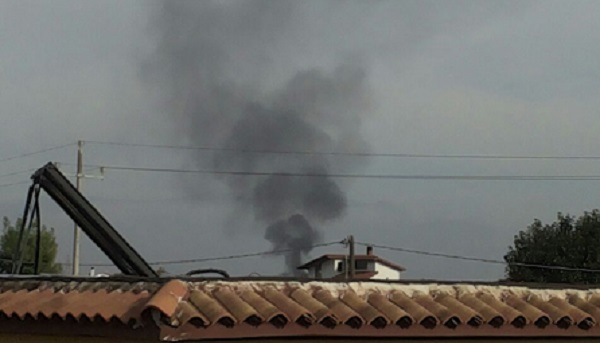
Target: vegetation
48	250
569	241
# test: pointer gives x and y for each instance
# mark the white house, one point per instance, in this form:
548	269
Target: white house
367	267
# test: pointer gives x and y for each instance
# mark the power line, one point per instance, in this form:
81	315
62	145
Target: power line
209	259
14	183
35	152
477	259
364	176
355	154
29	170
378	246
19	172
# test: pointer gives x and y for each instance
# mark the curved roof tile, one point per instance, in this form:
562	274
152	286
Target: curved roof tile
234	309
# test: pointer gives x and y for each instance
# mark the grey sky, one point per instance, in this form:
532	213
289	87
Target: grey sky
454	77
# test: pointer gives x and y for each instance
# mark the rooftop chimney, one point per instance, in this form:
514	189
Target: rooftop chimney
369	250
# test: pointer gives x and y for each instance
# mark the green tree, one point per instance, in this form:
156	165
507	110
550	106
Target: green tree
569	241
48	248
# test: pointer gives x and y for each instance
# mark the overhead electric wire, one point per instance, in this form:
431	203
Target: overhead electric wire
14	183
18	172
210	259
477	259
349	153
5	159
378	246
362	176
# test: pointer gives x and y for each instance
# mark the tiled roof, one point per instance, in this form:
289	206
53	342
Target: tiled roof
76	300
190	310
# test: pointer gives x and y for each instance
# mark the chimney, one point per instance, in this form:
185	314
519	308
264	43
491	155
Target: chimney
369	250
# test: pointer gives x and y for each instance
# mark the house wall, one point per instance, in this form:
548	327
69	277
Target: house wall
327	270
385	273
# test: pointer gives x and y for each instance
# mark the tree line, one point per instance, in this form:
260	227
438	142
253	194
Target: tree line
572	242
48	248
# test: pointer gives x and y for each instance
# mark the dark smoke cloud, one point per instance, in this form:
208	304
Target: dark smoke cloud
294	233
201	46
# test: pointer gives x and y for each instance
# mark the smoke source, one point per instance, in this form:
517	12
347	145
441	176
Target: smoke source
205	67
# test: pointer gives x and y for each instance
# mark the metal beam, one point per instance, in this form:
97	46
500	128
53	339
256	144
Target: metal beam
89	219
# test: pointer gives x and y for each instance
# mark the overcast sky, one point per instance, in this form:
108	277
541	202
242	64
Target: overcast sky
452	77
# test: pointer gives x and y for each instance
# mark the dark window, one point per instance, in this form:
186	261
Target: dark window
358	265
361	264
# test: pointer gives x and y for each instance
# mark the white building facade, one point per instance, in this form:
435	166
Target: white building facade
367	267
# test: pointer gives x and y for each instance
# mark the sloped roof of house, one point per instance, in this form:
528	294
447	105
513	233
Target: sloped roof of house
356	257
180	310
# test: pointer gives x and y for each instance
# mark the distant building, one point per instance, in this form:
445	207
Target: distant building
367	267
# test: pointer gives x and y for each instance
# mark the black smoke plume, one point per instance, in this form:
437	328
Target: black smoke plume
212	69
295	234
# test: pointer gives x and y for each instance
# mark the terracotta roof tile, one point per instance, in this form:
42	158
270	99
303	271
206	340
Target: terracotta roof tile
184	310
370	314
414	309
464	313
292	309
582	319
479	307
73	300
394	313
241	310
510	314
265	309
588	309
342	311
559	318
187	313
168	297
534	314
211	309
322	313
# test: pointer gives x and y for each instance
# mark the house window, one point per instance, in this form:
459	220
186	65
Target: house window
358	265
361	264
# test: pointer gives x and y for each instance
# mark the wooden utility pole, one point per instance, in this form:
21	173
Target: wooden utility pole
352	259
349	261
79	176
78	183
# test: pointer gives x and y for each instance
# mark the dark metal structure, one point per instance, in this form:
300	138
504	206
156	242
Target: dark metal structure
208	271
87	217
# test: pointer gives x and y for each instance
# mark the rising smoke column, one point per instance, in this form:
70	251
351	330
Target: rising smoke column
203	65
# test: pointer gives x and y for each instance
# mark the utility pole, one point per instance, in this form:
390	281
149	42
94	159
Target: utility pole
351	269
352	262
79	176
78	183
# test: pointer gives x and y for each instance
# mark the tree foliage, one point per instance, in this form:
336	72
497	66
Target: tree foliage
569	241
48	250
